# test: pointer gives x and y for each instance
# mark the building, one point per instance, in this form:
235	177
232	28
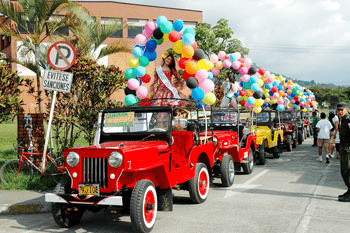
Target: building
134	15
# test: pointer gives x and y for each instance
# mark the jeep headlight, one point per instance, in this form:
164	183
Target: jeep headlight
215	141
115	159
72	159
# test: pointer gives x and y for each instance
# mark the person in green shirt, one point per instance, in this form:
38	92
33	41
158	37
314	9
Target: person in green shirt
315	119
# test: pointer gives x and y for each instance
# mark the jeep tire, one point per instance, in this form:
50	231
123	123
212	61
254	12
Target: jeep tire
199	185
143	206
288	143
261	155
227	169
275	152
249	166
300	137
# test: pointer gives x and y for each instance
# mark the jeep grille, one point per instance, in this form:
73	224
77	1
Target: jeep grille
95	171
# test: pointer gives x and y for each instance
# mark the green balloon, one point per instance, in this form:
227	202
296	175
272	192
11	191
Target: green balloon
130	73
189	30
166	27
143	61
130	99
160	41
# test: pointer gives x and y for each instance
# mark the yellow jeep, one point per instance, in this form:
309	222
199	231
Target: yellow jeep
269	134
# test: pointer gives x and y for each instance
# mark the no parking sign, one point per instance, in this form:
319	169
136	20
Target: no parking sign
61	55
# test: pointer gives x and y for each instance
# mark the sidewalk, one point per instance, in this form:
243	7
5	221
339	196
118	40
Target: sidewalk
23	202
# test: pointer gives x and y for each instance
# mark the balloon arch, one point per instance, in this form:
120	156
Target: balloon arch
257	88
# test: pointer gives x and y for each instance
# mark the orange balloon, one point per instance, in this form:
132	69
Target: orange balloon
249	92
187	51
281	93
191	67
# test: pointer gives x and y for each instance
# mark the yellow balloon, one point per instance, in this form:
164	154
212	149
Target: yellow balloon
274	101
258	103
166	37
203	64
133	62
289	91
249	92
177	47
257	109
209	98
219	65
281	93
240	98
267	100
260	82
304	110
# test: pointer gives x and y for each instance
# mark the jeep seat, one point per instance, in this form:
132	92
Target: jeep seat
182	144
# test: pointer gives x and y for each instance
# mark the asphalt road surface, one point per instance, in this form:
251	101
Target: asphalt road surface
294	193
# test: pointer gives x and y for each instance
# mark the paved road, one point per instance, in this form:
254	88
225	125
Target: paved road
292	194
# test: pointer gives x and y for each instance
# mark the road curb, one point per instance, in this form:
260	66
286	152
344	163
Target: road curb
9	209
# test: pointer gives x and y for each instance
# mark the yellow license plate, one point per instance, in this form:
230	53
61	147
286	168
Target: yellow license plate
89	189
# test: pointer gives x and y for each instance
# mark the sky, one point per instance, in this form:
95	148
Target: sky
301	39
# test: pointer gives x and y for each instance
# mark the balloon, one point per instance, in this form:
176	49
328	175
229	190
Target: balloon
142	92
262	71
249	93
192	83
197	94
178	46
199	54
150	55
186	75
166	27
201	75
257	109
255	87
140	71
252	70
191	67
207	85
130	73
140	39
187	51
221	55
158	34
248	62
188	39
236	65
215	71
178	25
194	45
137	52
166	37
280	107
133	62
133	83
227	63
214	58
258	95
161	19
159	41
128	91
219	65
146	78
150	26
243	70
130	99
151	45
253	79
143	61
182	63
204	64
174	36
189	30
209	98
210	75
251	100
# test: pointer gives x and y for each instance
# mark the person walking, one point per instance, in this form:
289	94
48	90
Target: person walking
344	136
315	119
324	127
334	120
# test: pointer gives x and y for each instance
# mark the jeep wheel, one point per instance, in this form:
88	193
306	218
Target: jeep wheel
300	137
227	171
143	206
261	155
275	152
288	143
280	146
199	184
249	166
65	215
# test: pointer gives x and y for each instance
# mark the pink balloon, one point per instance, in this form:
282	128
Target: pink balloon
270	80
236	65
201	75
150	26
276	95
245	78
140	39
227	56
133	83
260	89
207	85
290	87
243	70
280	101
237	55
267	74
292	101
142	92
214	58
227	63
215	71
248	61
221	55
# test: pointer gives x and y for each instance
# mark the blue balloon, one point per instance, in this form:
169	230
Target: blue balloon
295	106
178	25
292	94
161	19
189	30
280	87
268	86
197	94
151	45
210	75
236	94
255	87
271	93
233	57
241	83
151	55
140	71
253	79
137	52
276	83
251	100
188	39
280	107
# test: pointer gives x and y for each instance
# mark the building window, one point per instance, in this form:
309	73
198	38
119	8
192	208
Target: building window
106	21
135	26
190	24
61	31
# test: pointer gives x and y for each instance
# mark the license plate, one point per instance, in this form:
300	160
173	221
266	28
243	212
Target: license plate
89	189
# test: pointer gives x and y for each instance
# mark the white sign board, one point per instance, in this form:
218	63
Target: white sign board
54	80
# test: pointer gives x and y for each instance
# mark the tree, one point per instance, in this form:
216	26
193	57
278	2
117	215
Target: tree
91	92
218	38
10	101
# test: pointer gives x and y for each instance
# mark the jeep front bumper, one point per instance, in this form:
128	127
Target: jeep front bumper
87	200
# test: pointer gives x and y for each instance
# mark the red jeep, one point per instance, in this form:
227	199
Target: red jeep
234	144
290	129
136	163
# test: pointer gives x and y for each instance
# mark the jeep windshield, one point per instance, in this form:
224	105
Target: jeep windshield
286	116
263	117
225	117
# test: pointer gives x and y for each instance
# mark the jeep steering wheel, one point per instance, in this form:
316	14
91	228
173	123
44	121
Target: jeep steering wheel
157	130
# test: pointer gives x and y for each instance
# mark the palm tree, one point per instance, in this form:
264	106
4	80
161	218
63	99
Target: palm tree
33	25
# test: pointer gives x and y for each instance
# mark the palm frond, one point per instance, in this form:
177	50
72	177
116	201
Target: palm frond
117	47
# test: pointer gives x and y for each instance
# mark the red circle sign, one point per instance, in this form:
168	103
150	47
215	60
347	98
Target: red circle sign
61	55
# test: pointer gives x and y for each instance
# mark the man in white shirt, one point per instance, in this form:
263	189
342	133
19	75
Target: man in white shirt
324	127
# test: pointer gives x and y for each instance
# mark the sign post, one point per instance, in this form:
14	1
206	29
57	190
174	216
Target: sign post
61	56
